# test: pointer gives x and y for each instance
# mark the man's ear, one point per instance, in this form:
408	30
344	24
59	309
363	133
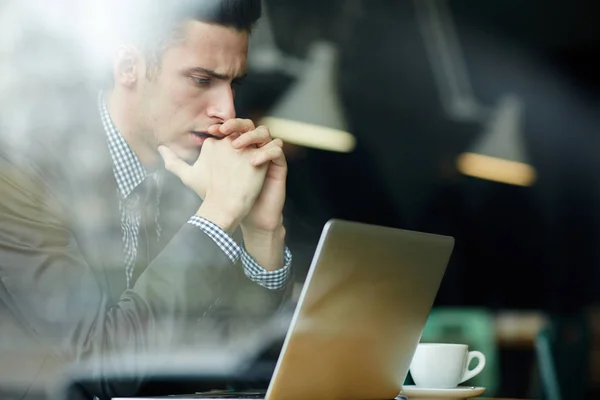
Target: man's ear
128	66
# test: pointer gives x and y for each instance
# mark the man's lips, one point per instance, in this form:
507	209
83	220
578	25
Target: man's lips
205	135
199	137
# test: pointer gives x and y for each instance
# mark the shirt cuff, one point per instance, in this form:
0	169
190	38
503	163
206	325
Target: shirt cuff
273	280
220	237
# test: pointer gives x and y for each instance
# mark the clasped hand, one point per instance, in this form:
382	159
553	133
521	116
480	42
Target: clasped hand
241	177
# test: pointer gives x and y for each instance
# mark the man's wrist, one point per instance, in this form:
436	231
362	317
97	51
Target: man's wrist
218	216
263	235
265	246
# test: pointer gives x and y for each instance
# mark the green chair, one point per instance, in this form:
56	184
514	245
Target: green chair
474	327
562	351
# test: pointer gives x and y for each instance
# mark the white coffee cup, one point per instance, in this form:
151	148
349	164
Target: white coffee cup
444	365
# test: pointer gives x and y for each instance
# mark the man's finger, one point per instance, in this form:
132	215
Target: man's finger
236	125
259	137
270	154
214	130
174	164
276	142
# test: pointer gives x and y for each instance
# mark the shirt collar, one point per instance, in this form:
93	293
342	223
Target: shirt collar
129	171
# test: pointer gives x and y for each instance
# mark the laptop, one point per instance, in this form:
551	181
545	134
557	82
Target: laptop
359	317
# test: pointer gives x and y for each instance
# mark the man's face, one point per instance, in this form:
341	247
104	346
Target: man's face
193	89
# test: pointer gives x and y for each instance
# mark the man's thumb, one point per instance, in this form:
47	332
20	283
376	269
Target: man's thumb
174	164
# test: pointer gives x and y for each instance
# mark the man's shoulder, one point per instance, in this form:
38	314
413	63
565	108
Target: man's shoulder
66	145
68	161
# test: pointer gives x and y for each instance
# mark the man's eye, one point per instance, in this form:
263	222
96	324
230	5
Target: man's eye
200	81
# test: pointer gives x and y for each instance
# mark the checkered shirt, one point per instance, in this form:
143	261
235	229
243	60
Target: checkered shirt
130	173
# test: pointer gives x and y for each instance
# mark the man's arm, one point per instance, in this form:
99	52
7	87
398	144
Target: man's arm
274	279
56	295
262	227
242	180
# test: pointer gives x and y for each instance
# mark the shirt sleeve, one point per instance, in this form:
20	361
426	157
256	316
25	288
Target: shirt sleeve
273	280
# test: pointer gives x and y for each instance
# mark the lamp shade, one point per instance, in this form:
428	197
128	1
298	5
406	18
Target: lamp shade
499	153
310	114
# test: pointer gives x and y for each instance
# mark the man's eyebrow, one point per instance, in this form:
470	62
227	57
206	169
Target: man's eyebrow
213	74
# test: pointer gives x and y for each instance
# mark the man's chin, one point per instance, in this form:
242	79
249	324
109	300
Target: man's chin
188	155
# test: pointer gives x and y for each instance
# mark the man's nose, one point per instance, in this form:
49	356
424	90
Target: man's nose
222	105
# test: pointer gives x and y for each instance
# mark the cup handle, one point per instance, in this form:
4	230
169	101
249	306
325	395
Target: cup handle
480	365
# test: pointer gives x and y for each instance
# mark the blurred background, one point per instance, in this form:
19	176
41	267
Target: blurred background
473	119
526	246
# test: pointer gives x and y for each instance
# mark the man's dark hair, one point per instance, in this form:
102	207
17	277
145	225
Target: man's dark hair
156	25
238	14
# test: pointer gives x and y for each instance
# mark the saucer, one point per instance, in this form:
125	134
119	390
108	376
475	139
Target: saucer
459	392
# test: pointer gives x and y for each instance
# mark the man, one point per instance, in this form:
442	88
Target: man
103	251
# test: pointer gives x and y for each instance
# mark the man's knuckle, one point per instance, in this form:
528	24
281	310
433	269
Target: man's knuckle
264	130
278	151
